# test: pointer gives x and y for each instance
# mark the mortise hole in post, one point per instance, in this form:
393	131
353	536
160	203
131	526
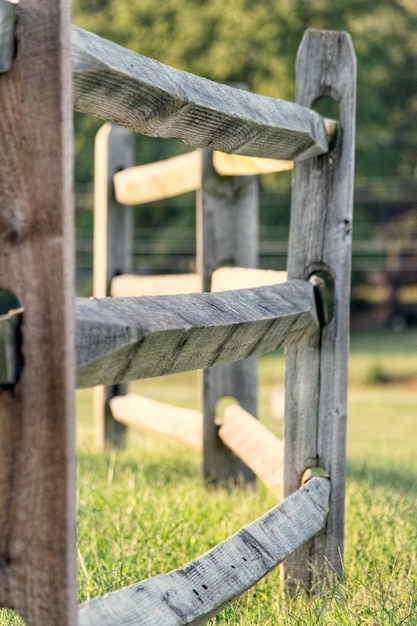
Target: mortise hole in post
324	293
221	406
8	302
11	359
328	107
11	618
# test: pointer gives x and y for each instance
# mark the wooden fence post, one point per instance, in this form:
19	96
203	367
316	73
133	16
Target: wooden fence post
227	234
320	241
113	233
37	467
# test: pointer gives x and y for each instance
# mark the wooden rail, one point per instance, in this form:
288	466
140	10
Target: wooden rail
255	445
181	174
200	589
127	285
120	339
184	426
223	279
155	99
159	180
238	165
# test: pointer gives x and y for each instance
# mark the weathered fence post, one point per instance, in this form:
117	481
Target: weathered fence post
227	234
37	467
320	241
113	237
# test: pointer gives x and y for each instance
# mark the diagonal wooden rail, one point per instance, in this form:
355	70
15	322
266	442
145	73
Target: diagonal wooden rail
252	442
154	99
121	339
199	590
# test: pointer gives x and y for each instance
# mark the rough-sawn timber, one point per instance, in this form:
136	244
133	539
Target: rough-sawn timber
149	97
200	589
120	339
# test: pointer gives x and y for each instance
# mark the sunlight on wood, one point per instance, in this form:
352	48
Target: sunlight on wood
252	442
183	426
237	165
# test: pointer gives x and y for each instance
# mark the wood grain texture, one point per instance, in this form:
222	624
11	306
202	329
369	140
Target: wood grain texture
8	13
37	468
252	442
201	589
120	339
179	425
320	240
113	240
155	99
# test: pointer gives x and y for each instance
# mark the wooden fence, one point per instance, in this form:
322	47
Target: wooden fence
120	339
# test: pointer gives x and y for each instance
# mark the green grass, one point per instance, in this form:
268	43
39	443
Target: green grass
145	510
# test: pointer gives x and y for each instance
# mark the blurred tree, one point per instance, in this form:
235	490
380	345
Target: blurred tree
256	43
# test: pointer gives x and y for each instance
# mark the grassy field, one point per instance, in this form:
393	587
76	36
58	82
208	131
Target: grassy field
145	510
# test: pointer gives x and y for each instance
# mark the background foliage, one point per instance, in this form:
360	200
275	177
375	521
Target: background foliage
256	43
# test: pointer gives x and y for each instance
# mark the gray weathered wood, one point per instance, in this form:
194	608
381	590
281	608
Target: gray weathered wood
11	361
120	339
227	234
320	240
227	221
37	467
8	12
201	589
113	234
155	99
